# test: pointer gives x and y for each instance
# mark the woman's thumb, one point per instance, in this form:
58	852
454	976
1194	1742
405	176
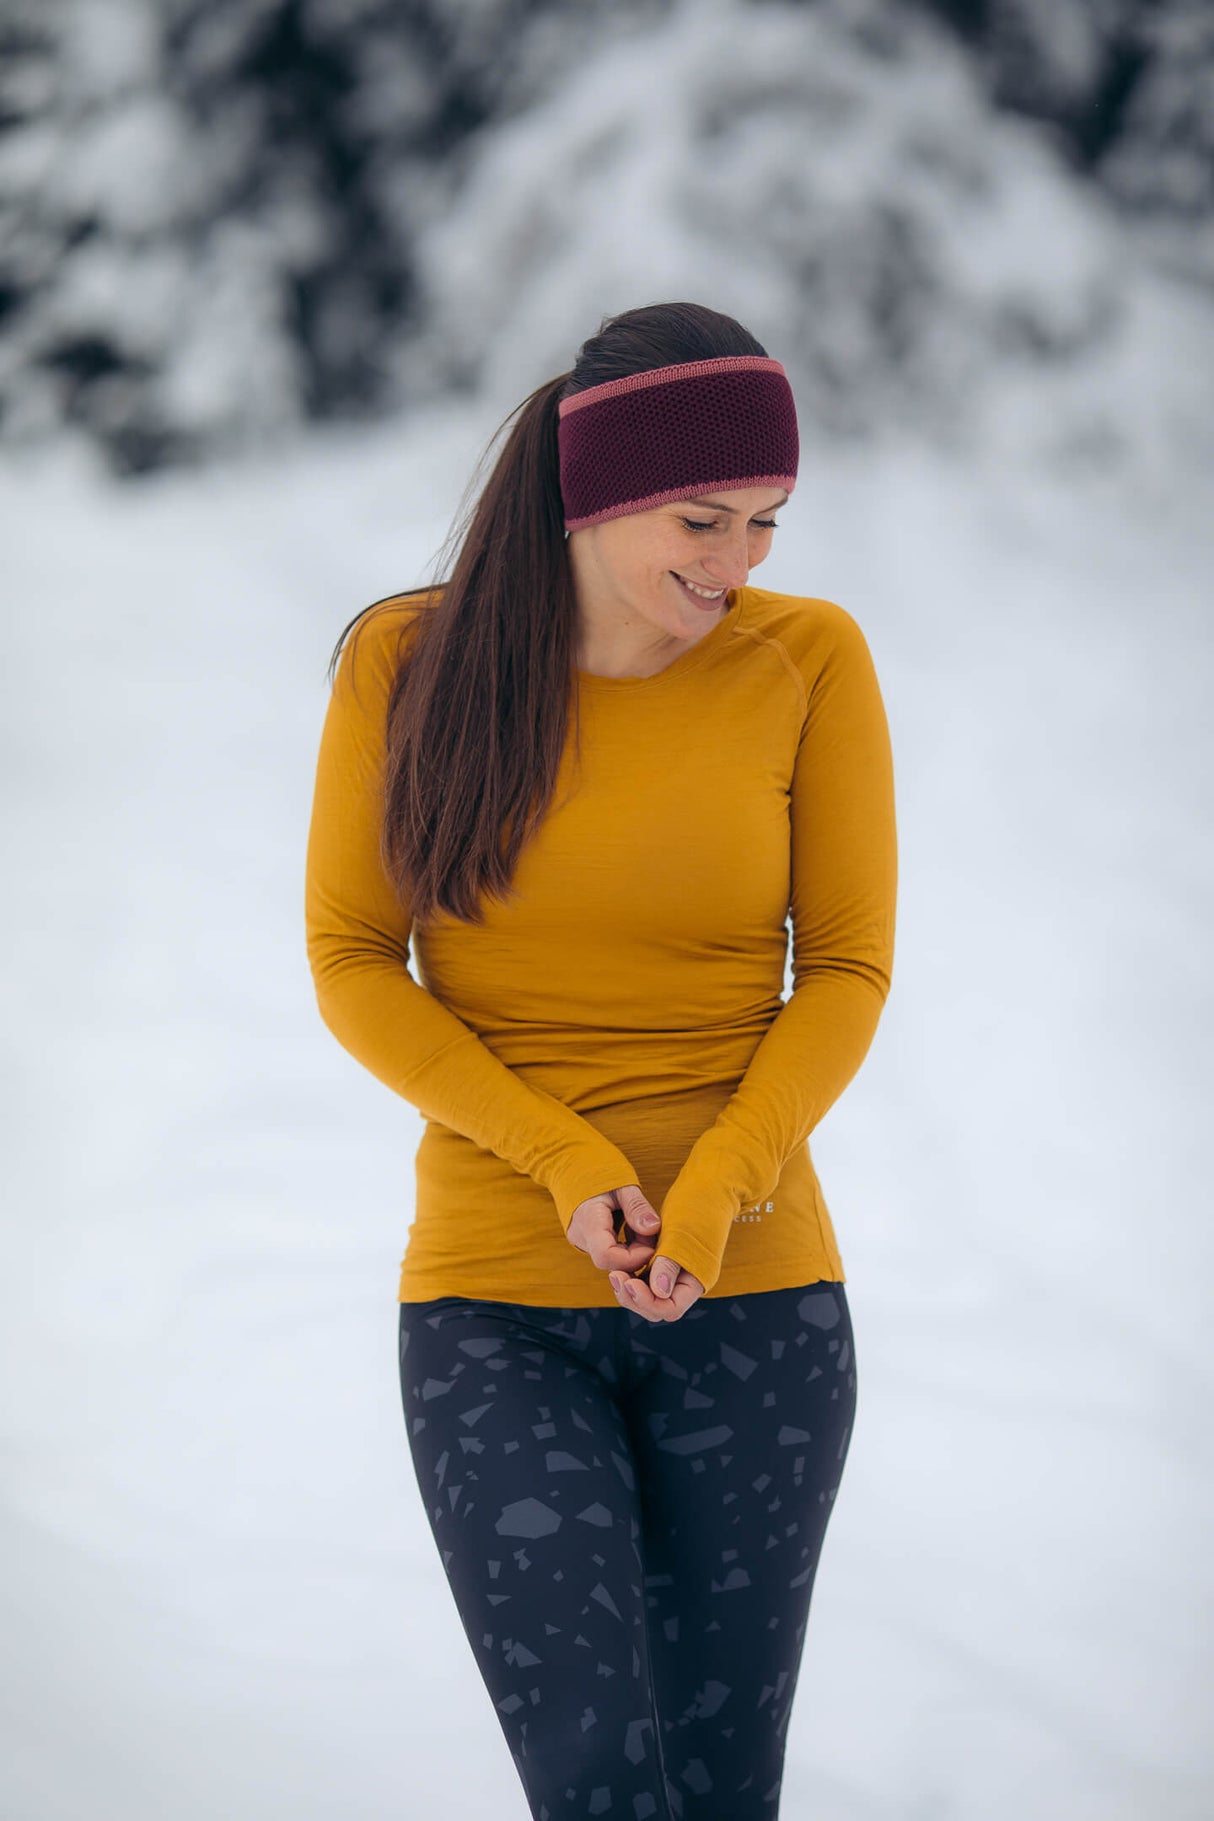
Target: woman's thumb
640	1214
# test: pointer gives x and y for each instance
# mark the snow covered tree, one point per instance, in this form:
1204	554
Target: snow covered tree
221	220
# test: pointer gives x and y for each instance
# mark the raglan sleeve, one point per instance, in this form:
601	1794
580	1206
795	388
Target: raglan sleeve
843	889
358	932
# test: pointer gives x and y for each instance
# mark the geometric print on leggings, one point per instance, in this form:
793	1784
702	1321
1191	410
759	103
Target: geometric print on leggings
630	1517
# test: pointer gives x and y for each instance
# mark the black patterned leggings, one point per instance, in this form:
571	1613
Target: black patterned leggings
630	1516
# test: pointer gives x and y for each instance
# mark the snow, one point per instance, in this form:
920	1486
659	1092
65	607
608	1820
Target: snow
223	1596
837	179
226	221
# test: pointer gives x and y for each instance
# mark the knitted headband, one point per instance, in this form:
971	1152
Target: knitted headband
673	433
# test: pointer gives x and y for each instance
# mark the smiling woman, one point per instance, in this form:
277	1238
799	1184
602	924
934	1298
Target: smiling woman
620	1251
635	452
650	584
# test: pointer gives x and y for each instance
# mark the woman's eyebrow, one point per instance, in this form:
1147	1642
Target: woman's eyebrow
720	506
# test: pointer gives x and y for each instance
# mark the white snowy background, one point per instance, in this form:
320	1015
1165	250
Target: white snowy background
221	1596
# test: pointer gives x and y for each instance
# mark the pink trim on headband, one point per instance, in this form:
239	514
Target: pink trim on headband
660	376
684	493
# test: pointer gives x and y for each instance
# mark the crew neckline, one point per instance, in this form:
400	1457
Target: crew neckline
678	667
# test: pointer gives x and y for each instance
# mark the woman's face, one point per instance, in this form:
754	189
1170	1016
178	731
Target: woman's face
631	570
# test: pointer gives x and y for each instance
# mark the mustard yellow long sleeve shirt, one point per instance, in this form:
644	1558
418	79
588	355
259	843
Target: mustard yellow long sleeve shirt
623	1020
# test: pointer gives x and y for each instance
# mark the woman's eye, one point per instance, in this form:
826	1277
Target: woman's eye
764	524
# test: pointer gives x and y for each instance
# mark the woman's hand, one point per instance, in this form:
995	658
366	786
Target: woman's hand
593	1229
637	1296
670	1291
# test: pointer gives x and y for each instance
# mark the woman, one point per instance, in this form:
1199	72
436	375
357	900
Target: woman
625	1345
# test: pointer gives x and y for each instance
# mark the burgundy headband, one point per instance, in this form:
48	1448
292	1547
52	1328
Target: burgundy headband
675	432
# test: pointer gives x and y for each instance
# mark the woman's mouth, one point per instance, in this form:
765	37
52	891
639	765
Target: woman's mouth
698	594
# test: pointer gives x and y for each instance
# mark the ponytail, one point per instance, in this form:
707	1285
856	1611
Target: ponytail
478	713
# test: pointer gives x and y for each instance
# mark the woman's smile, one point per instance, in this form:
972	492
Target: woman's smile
696	592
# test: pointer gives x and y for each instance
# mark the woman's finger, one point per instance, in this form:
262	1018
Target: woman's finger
636	1257
628	1236
636	1295
593	1231
627	1253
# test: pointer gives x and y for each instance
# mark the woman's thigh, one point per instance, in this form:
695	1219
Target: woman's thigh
739	1419
524	1466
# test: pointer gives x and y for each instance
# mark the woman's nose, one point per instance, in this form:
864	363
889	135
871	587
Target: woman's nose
729	567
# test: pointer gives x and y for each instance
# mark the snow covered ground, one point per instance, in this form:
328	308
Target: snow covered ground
222	1597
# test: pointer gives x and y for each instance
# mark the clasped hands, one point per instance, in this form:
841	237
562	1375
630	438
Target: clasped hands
670	1291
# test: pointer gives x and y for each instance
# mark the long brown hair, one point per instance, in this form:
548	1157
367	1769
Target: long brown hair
478	713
